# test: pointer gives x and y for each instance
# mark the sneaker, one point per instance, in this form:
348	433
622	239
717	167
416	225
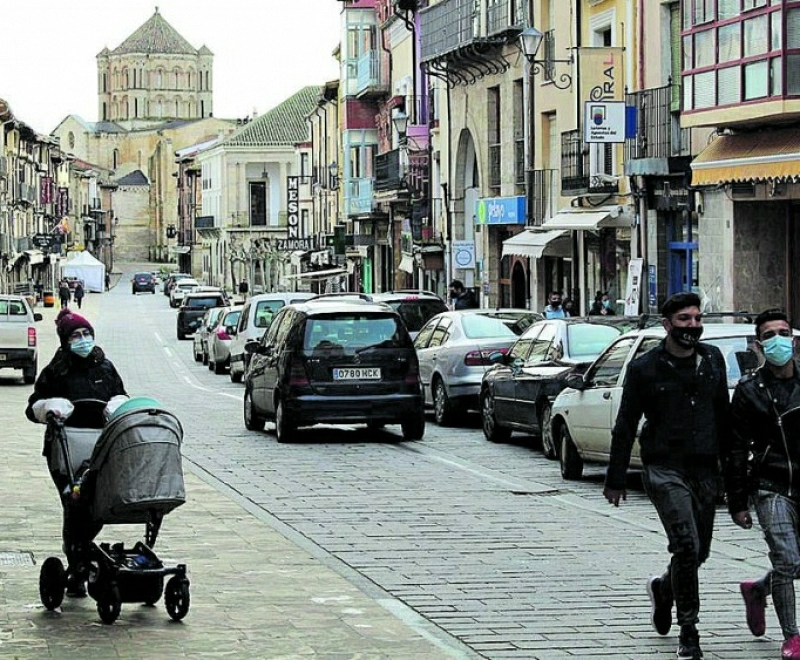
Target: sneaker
76	587
689	644
661	611
755	604
790	649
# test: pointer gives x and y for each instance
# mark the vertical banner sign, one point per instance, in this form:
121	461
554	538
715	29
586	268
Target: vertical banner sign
46	193
62	202
293	206
634	289
602	94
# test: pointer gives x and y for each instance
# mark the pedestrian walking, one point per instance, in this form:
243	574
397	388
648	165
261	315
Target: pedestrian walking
78	294
78	370
554	308
680	387
602	305
244	289
462	298
762	470
108	280
64	293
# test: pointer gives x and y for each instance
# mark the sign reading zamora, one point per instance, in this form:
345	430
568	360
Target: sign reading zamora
294	241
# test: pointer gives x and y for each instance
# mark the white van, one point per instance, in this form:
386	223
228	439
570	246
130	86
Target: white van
181	288
254	321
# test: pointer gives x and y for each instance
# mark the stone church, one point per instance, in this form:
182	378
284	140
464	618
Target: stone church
155	96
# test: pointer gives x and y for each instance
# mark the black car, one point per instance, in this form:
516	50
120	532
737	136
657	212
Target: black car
337	362
416	308
193	307
143	282
517	393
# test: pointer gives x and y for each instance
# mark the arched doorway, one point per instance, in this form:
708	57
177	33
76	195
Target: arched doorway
519	286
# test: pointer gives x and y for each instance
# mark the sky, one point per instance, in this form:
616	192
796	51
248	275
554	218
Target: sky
264	50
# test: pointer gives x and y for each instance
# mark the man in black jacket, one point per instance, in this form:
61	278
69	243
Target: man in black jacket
764	466
681	389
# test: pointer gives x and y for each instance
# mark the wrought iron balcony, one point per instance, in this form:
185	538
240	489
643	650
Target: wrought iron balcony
388	171
3	166
658	131
576	175
542	198
504	16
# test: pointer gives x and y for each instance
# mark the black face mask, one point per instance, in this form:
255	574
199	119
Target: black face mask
555	304
686	337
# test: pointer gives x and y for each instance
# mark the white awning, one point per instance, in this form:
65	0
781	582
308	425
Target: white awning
34	257
530	243
588	219
318	274
407	263
297	256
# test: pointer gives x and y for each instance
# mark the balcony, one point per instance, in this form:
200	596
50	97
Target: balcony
388	171
26	193
3	166
659	137
505	16
358	197
445	27
371	78
577	177
495	168
542	198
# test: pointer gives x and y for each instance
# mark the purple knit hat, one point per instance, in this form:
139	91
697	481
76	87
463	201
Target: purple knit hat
68	322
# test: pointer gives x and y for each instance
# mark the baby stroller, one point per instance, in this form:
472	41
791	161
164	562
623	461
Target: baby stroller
128	472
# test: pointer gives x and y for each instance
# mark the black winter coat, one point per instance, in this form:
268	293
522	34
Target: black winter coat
687	423
760	457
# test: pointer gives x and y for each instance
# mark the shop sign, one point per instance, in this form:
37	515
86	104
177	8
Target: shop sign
501	211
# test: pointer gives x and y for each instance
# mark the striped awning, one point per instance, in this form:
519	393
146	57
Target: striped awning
762	156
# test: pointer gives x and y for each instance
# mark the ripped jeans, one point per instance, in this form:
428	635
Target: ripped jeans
686	506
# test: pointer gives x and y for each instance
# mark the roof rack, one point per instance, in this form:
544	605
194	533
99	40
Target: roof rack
342	295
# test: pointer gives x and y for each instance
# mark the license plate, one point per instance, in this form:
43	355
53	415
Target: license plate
357	373
2	357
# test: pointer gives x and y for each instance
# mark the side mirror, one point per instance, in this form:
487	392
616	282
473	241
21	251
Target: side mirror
252	346
576	382
230	329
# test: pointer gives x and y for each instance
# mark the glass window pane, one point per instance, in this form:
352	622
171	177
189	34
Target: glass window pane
688	93
793	28
704	48
728	9
728	86
776	80
755	80
704	90
730	42
755	36
775	32
688	62
792	75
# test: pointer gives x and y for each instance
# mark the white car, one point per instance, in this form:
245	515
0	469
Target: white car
181	288
584	413
18	340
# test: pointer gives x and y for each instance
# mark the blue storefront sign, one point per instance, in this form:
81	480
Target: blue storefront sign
500	211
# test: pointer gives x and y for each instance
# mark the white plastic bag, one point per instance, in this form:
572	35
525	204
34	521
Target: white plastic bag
61	408
114	403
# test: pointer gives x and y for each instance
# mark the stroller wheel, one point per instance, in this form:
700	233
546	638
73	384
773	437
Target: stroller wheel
176	597
109	604
52	582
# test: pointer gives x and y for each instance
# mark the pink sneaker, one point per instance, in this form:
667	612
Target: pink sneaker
755	604
790	650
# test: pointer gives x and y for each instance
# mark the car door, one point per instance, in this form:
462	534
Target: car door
262	367
503	381
527	380
421	345
437	353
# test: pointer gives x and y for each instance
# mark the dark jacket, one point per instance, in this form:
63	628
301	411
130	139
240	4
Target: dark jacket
687	422
64	292
78	292
760	457
71	377
466	300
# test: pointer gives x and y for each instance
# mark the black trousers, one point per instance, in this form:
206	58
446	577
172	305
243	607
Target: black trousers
78	530
686	506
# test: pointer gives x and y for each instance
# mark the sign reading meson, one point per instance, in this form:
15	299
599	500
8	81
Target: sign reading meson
294	240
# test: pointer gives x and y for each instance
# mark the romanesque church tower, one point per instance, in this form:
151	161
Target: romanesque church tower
154	76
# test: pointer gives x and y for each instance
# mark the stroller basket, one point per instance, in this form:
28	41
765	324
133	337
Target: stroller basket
137	467
80	444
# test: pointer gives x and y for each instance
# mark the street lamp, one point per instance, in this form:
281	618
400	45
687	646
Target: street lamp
530	40
333	172
400	121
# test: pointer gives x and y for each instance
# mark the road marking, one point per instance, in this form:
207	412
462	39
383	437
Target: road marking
208	389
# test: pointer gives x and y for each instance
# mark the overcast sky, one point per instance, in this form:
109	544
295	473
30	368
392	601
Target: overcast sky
264	50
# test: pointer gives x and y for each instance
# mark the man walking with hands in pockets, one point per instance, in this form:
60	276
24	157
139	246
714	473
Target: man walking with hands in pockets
680	387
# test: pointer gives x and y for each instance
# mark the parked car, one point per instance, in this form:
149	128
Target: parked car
517	320
200	341
19	347
585	412
454	350
143	282
338	363
255	318
169	281
518	391
219	340
416	308
180	289
192	308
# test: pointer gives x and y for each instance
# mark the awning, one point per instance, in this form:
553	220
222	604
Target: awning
587	219
318	274
34	257
530	243
298	255
407	263
772	154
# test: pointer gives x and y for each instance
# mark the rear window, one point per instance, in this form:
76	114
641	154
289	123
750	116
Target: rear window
13	308
265	310
415	312
477	326
354	331
204	303
588	340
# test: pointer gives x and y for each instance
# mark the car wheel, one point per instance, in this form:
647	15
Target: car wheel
205	357
414	427
442	408
491	429
219	368
210	364
236	377
198	357
285	428
375	426
181	335
252	420
29	373
570	460
549	448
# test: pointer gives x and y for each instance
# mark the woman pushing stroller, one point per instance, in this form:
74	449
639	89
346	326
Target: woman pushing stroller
79	370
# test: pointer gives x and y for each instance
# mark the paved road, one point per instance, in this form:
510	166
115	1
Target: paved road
485	541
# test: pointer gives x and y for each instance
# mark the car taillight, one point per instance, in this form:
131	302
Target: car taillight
31	337
482	357
412	377
297	374
222	335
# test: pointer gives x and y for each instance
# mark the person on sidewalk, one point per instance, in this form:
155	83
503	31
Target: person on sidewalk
462	298
680	387
78	294
64	293
764	468
554	308
78	370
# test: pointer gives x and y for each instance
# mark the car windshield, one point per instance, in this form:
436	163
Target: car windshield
477	326
353	332
265	310
416	312
587	340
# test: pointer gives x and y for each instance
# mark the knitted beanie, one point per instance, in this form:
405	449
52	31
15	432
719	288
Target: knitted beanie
68	322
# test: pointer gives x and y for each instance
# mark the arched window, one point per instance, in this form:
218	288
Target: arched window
105	111
135	108
159	109
177	74
126	78
189	78
202	109
159	79
115	159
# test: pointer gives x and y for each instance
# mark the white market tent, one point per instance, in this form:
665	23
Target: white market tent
85	267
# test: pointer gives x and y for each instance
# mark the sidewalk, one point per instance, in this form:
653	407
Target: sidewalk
254	592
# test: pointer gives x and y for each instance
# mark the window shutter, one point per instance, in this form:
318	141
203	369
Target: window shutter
675	53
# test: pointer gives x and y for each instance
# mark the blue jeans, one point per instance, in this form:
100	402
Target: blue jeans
779	518
686	507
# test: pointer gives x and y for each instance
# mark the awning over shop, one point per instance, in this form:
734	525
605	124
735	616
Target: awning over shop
298	255
530	243
318	274
34	257
589	219
773	154
407	263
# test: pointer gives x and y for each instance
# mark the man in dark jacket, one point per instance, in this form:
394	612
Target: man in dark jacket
764	466
680	387
462	298
78	370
